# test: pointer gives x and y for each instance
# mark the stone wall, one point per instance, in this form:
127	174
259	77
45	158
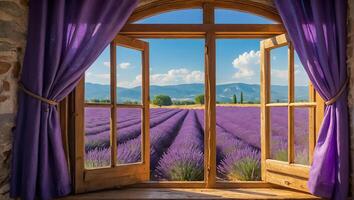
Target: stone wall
13	20
350	63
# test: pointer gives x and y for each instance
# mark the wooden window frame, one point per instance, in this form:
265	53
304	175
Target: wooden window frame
210	32
279	171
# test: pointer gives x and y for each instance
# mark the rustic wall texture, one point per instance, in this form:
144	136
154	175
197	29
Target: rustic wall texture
13	26
13	19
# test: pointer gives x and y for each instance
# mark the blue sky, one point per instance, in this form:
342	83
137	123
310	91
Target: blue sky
180	61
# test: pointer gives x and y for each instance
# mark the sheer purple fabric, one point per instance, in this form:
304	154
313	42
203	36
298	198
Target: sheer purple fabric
64	38
318	31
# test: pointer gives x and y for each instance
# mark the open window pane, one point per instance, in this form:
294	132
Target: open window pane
279	133
129	129
97	79
188	16
301	135
279	75
227	16
237	110
97	137
129	76
177	108
302	81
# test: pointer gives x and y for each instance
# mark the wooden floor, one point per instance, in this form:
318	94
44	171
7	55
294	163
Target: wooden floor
178	193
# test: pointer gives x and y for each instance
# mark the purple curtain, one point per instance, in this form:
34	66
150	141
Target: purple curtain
318	30
64	38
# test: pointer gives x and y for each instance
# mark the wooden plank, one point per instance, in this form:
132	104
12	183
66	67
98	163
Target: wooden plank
194	193
113	124
208	13
291	99
64	127
293	169
199	30
312	123
100	105
202	184
170	184
129	42
79	137
295	104
146	112
120	171
210	110
265	125
320	110
275	42
287	180
129	105
161	6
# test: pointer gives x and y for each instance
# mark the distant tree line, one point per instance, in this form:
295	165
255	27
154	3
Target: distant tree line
108	101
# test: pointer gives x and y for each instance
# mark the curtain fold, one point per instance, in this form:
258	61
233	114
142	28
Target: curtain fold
318	32
64	39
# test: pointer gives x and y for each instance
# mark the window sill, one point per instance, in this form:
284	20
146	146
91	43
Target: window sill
195	193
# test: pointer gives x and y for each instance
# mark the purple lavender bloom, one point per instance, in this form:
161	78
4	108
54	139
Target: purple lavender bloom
241	165
96	158
183	161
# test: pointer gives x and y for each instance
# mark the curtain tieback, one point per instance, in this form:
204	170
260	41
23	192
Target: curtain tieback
339	94
28	92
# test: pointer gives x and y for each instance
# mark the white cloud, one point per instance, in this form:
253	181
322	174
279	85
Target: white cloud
124	65
172	77
100	78
107	64
247	65
177	76
280	74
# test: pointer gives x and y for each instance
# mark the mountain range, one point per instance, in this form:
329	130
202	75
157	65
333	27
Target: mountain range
224	92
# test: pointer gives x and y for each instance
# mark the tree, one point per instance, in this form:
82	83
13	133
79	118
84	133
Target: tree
241	98
234	99
162	100
199	99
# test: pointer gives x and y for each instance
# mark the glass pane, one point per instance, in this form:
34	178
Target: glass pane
129	68
176	90
279	75
97	137
97	79
129	129
301	135
237	71
237	126
279	133
189	16
302	81
226	16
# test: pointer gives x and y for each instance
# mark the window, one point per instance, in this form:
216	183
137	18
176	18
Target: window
238	95
288	122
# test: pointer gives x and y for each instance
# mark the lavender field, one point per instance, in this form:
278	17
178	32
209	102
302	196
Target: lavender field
177	140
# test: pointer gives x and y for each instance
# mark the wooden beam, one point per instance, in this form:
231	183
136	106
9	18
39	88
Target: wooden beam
79	130
210	117
157	7
199	30
265	92
291	91
113	72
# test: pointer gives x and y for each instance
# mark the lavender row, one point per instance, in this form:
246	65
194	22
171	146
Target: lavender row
102	140
183	161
